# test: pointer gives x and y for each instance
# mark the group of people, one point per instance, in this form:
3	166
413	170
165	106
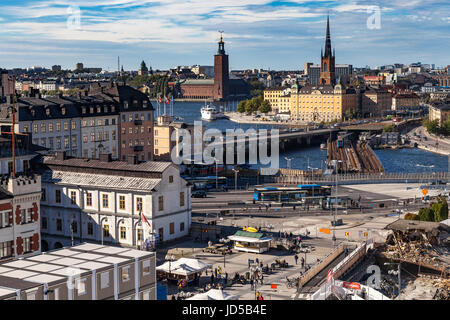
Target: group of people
302	261
219	277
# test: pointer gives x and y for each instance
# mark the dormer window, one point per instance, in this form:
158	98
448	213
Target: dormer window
63	111
125	104
47	111
91	110
135	102
113	109
33	113
144	104
84	110
99	110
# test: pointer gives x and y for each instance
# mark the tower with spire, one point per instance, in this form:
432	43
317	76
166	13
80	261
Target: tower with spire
221	72
327	65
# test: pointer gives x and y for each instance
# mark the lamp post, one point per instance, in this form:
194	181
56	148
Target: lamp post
236	178
399	264
288	164
72	230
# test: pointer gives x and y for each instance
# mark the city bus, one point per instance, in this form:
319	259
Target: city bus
290	194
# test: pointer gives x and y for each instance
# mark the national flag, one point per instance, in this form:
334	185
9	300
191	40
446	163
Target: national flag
144	219
330	275
160	100
166	100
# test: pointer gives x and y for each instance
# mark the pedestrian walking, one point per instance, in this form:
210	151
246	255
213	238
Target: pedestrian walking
251	283
279	234
296	259
290	235
212	279
303	262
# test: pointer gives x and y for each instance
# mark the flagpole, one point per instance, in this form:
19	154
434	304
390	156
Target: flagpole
164	106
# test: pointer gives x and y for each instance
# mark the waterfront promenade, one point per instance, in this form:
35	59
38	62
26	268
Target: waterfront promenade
442	146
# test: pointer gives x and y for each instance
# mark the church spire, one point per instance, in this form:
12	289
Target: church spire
328	39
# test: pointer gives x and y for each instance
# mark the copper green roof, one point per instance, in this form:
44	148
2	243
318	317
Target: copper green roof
247	234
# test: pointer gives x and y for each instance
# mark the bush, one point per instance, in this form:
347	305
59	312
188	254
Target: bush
440	210
426	214
411	216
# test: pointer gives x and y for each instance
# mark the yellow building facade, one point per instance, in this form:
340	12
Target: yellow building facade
279	99
322	103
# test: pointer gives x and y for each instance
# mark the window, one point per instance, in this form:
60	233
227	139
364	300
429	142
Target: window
43	142
50	127
104	280
31	295
27	244
105	201
66	126
73	197
58	143
25	129
43	127
113	134
74	141
172	228
56	293
122	202
161	203
92	136
85	138
89	199
181	226
6	249
58	225
44	222
146	267
139	204
105	231
43	195
4	219
58	196
181	199
35	128
74	125
130	130
81	286
140	235
90	228
58	126
126	273
66	142
170	179
123	233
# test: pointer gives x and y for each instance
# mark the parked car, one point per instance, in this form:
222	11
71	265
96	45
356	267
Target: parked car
198	194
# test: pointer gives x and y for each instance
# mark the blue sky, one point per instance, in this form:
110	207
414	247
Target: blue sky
258	33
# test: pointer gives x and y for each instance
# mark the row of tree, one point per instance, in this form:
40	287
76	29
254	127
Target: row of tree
159	84
253	105
437	212
433	127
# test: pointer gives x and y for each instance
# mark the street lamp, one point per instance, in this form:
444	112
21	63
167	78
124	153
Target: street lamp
399	264
288	165
236	178
72	227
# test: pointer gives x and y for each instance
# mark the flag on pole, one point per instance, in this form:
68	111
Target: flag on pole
166	100
160	100
330	275
144	219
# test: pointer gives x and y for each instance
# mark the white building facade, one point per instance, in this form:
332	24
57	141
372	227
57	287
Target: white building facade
107	205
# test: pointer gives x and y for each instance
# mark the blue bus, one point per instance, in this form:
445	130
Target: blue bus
290	194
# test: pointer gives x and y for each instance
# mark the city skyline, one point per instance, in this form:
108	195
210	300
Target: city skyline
259	33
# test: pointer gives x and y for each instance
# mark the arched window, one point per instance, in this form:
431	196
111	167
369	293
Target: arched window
325	67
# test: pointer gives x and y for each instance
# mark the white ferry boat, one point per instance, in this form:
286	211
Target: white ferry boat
210	112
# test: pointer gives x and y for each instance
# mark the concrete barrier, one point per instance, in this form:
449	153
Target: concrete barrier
311	273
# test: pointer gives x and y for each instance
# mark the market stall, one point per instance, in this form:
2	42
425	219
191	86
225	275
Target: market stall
182	269
246	241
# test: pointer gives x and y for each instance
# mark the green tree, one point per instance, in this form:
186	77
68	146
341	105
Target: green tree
446	127
426	214
256	88
411	216
265	107
440	210
242	106
433	127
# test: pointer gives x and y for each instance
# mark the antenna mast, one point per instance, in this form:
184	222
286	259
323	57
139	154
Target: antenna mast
13	125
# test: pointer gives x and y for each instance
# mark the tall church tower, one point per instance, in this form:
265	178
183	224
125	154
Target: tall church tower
221	73
327	65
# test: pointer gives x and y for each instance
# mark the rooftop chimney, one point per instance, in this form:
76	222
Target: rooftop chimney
105	157
132	159
60	155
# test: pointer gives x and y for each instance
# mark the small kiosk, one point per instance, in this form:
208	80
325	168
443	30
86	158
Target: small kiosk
247	241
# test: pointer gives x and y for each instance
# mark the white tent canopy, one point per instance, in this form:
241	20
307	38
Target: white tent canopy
213	294
184	266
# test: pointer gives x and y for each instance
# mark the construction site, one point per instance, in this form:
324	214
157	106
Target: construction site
409	260
352	156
